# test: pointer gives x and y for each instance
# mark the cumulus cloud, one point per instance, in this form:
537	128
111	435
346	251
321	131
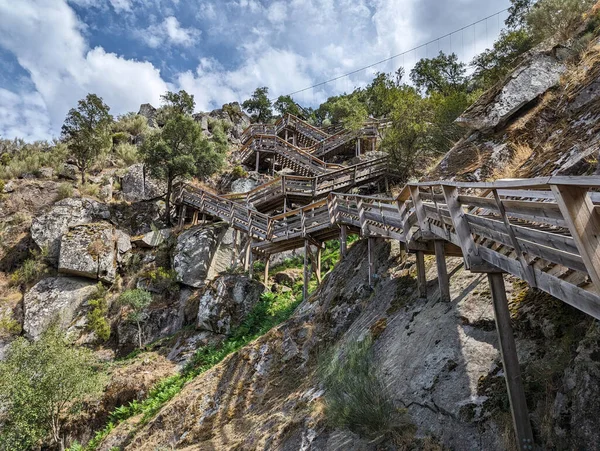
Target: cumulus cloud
284	45
45	36
169	31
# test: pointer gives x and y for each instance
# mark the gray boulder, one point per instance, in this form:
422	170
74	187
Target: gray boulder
538	73
89	251
149	112
48	229
137	185
69	171
202	252
243	185
226	302
54	299
152	238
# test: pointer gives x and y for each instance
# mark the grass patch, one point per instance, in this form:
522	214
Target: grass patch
356	397
271	310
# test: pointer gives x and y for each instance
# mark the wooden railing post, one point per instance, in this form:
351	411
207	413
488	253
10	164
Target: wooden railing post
267	261
583	221
510	361
420	210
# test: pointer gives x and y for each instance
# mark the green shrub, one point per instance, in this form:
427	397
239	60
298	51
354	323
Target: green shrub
238	172
65	190
97	316
31	270
23	158
9	326
164	280
356	397
127	153
137	301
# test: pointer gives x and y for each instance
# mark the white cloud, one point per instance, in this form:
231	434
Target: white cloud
169	32
18	109
121	5
46	39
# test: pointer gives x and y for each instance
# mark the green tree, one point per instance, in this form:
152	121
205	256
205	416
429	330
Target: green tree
259	105
548	18
286	105
179	150
492	65
137	301
87	131
443	74
41	382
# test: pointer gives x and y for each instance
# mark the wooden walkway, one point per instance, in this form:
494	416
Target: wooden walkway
544	231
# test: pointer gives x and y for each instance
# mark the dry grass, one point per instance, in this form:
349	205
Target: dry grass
521	123
579	71
521	153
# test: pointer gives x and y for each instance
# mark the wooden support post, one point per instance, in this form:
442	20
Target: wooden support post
234	254
387	185
442	270
306	270
195	218
584	224
267	261
203	218
421	275
374	141
512	373
318	265
182	213
257	160
247	253
343	241
250	262
370	245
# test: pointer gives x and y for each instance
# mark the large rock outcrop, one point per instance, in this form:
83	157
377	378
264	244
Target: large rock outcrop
137	184
236	121
48	229
202	252
539	72
89	250
226	302
54	299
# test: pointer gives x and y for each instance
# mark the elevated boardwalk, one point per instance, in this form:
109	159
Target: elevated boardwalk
544	231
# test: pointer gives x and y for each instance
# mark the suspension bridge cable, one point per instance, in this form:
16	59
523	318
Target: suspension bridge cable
414	49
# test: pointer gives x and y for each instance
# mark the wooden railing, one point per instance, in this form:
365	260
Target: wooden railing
295	187
545	231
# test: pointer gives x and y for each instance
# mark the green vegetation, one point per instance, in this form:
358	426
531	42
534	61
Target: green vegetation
179	150
137	301
65	190
163	280
97	315
286	105
31	270
87	131
18	158
259	105
42	382
356	397
270	311
238	172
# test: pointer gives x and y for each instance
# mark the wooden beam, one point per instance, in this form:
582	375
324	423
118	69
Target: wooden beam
250	262
343	241
318	265
420	211
247	252
182	212
421	274
257	160
584	223
442	270
510	361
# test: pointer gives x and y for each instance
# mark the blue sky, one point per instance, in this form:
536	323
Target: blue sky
53	52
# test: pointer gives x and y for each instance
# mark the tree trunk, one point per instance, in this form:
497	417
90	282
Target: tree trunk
168	201
82	177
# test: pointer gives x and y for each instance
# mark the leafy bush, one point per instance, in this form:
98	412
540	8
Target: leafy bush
356	397
97	320
559	18
164	280
41	382
21	158
31	270
127	153
238	172
137	301
9	326
65	190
